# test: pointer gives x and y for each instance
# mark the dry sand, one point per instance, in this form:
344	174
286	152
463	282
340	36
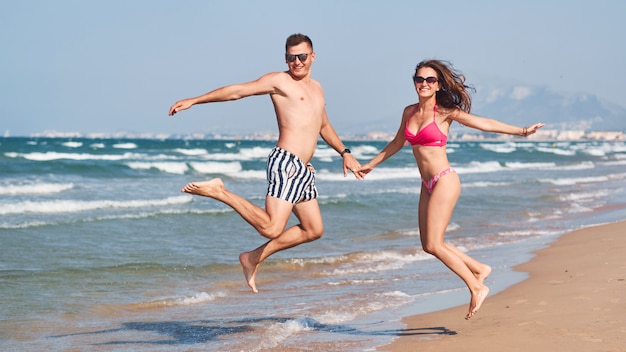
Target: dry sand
574	300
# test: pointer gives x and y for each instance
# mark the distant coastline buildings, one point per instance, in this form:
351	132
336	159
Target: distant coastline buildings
541	135
558	135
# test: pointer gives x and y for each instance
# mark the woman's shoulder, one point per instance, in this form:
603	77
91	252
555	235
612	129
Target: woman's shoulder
449	113
411	107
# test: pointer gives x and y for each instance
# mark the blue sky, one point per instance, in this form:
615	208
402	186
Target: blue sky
111	66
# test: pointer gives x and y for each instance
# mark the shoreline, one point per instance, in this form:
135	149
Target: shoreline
574	299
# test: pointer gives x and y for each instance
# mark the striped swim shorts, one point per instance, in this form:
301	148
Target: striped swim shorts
289	178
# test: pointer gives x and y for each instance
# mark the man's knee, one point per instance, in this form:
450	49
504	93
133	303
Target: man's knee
317	235
271	231
314	233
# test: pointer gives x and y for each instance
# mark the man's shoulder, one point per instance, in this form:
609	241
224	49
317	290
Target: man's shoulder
276	75
276	79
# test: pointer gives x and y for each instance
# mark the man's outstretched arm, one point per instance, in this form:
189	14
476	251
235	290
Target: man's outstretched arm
263	85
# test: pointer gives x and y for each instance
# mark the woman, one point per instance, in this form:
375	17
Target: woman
443	98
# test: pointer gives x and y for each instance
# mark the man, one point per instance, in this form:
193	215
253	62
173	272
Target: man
301	115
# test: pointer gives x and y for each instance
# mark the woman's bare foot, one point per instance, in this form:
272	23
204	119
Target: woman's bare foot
483	274
249	270
477	300
209	188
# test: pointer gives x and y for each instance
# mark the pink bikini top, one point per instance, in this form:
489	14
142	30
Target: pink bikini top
429	136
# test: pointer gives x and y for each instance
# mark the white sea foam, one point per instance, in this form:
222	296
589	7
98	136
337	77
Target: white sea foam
363	305
573	181
479	167
595	151
37	188
617	176
73	206
23	225
601	149
72	144
397	294
216	167
197	299
578	208
168	167
485	184
337	317
494	166
382	173
250	174
365	149
48	156
255	153
244	154
125	146
415	189
557	151
617	148
324	153
355	282
583	196
191	152
585	165
518	233
499	148
453	226
369	262
366	258
519	166
279	332
620	161
125	216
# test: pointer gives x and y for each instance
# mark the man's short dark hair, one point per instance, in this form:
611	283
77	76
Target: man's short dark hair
296	39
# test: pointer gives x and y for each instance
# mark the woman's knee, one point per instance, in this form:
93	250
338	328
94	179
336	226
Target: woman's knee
431	248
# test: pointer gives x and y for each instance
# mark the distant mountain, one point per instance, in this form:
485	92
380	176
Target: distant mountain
525	104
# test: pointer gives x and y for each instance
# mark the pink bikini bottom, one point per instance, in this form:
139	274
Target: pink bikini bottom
430	184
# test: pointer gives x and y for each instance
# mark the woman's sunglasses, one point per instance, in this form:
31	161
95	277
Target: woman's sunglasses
292	57
420	80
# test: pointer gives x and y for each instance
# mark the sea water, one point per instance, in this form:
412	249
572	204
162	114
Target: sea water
100	251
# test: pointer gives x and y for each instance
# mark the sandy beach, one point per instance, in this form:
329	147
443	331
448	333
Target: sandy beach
573	300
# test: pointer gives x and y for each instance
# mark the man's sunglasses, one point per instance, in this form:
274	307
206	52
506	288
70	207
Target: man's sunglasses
420	80
292	57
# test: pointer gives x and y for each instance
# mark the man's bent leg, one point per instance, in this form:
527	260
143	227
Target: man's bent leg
310	228
268	223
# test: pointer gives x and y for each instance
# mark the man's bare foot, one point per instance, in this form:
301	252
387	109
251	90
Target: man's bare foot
476	301
483	274
249	270
209	188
